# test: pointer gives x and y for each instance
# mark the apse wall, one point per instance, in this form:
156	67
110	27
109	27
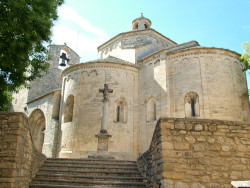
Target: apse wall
80	123
212	78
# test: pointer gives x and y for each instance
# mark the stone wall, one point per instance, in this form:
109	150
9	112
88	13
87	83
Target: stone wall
152	85
199	153
215	75
49	105
19	160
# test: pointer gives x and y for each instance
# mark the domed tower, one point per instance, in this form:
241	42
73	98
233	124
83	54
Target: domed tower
140	23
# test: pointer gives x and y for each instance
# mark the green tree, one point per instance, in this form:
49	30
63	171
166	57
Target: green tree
25	26
245	57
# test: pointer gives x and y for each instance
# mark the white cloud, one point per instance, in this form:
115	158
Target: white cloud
85	46
83	43
67	13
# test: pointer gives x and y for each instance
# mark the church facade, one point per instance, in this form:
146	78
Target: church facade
150	76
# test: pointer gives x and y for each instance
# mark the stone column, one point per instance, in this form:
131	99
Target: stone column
104	120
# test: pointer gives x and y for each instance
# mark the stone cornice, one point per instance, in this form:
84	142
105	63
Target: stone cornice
198	50
134	32
93	64
197	120
63	45
202	50
172	48
49	93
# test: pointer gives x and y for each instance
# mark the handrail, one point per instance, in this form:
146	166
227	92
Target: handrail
150	170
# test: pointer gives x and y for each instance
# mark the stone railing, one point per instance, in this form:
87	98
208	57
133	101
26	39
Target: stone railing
193	153
19	159
153	158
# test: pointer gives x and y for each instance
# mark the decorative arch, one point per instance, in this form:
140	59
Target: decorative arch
69	108
121	111
151	109
37	127
192	107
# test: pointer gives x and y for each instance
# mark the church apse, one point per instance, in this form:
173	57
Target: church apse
87	111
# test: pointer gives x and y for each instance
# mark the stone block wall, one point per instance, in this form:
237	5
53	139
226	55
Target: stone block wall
19	160
194	153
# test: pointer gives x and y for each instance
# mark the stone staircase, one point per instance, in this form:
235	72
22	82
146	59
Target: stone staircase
76	173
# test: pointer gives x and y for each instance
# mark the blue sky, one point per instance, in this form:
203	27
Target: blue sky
86	24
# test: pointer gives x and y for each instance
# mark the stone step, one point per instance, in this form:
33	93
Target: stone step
88	167
83	163
88	177
91	172
66	186
91	160
87	183
74	186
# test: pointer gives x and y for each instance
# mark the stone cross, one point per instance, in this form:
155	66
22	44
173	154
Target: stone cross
105	91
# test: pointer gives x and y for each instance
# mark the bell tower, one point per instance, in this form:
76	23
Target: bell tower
140	23
60	57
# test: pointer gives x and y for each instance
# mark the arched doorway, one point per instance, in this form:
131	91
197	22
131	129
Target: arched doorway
37	126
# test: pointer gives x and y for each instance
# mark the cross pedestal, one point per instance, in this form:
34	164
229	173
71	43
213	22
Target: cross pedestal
103	139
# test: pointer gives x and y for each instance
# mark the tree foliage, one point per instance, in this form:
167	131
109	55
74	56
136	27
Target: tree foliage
245	57
25	25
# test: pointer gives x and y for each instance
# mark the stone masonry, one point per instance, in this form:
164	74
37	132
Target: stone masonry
19	159
198	153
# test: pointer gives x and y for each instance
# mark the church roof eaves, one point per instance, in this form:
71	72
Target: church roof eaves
112	59
44	95
174	48
120	34
109	59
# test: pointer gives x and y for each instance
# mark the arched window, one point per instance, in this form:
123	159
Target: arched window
192	104
151	110
69	106
121	111
136	25
37	127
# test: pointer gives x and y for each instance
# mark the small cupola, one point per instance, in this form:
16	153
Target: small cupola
140	23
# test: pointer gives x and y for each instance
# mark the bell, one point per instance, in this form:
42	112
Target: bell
63	57
63	63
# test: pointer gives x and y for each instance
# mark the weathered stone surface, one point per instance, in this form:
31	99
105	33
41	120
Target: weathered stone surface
207	160
19	160
181	146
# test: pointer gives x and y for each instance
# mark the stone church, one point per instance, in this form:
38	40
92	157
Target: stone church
150	76
146	102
